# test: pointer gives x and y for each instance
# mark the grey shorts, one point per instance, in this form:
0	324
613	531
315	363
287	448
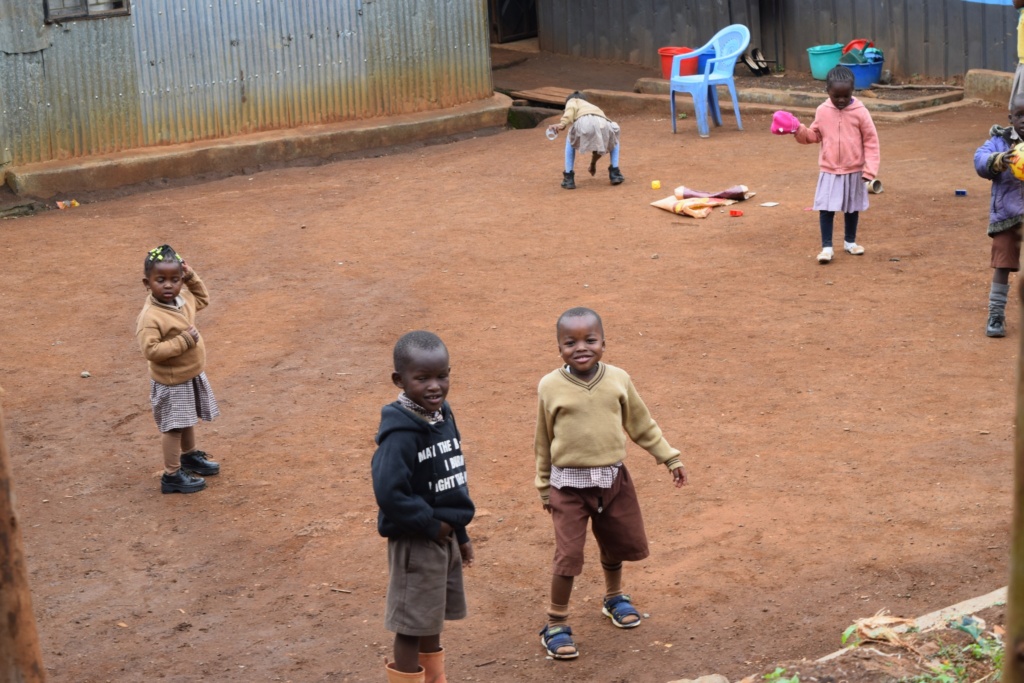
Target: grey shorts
425	588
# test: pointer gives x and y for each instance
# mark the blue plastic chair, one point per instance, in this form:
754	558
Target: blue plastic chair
727	47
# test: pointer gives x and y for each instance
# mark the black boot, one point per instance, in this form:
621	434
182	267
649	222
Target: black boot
593	163
181	482
996	324
569	180
199	462
615	175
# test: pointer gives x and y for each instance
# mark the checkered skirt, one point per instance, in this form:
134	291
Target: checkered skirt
177	406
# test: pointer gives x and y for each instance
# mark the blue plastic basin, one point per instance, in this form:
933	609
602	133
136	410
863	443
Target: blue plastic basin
866	74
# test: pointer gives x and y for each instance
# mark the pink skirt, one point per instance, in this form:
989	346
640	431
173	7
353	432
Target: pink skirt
845	193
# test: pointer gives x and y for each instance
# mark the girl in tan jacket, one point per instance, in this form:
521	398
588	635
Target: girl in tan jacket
179	391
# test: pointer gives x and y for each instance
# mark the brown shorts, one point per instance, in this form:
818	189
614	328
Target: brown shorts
618	528
1006	249
425	588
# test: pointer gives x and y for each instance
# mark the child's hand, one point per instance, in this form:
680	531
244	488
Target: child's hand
466	550
784	123
1002	160
444	533
547	507
553	129
193	332
186	272
679	477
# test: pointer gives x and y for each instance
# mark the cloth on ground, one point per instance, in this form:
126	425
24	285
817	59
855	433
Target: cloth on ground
737	192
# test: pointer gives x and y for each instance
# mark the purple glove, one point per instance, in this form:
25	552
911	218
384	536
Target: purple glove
784	123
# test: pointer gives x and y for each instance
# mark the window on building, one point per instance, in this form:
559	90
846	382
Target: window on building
57	10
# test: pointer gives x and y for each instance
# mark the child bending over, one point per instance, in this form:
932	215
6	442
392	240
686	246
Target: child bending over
179	391
591	131
583	408
419	479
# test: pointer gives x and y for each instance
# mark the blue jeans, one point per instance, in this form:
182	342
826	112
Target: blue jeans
570	155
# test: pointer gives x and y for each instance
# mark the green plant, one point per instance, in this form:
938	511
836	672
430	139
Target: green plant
850	630
990	650
778	677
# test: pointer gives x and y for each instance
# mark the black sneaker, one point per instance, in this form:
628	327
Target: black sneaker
197	462
996	326
569	180
181	482
615	175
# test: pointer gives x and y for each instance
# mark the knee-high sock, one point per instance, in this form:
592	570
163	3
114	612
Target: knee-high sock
850	221
188	439
825	220
997	298
612	579
557	614
615	156
171	444
570	154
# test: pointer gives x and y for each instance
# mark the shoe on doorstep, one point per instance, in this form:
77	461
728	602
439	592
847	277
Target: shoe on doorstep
825	256
996	326
198	462
853	248
569	180
615	175
181	482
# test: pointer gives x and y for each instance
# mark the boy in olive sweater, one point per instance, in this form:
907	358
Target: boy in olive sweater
583	408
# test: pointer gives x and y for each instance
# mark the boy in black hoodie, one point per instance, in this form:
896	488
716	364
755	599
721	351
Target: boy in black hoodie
419	479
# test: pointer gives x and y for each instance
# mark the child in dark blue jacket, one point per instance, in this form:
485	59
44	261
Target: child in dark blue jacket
419	480
992	161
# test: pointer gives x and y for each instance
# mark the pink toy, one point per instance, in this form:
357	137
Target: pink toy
784	123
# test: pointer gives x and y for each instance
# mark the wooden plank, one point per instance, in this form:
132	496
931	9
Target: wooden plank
548	95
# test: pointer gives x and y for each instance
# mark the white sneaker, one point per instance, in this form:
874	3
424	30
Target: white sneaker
826	255
853	248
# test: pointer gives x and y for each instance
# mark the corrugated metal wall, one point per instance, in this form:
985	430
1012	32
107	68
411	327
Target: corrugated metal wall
57	101
939	38
633	30
208	70
183	70
427	54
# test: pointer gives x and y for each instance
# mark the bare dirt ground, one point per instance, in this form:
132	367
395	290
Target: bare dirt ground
847	429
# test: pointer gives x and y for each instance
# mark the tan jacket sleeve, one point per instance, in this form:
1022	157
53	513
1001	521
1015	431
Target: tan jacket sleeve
153	349
199	291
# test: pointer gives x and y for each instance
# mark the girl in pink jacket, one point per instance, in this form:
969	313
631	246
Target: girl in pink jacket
848	159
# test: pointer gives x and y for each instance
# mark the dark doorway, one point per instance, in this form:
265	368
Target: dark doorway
512	20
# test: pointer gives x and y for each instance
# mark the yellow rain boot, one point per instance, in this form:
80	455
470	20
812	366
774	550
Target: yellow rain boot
395	676
433	666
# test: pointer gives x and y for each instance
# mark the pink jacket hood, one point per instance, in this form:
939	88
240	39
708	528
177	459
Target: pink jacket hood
849	141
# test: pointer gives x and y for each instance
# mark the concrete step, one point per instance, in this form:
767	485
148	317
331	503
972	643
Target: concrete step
797	98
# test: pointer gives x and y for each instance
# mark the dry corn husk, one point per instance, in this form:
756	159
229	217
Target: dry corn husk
880	628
